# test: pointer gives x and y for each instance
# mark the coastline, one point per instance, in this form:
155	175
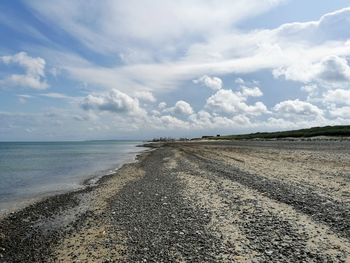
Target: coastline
76	185
56	214
197	202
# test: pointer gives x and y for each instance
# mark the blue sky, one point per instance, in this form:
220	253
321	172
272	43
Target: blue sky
140	69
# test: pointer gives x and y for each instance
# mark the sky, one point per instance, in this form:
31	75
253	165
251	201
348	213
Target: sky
113	69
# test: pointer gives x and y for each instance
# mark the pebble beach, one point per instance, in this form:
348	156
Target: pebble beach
237	201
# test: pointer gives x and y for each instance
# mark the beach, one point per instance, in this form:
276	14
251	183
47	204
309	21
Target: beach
31	171
222	201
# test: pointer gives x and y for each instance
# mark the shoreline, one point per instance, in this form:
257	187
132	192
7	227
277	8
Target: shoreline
50	214
89	181
197	202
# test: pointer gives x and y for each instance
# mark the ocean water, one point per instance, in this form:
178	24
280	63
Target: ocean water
31	170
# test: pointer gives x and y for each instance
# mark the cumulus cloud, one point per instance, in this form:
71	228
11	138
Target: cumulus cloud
330	70
162	105
334	69
241	120
213	83
168	121
251	92
201	119
114	101
342	112
157	57
331	26
326	41
338	96
181	107
146	96
34	68
311	89
289	108
205	120
231	102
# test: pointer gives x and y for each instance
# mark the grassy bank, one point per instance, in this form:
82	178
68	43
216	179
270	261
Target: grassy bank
336	131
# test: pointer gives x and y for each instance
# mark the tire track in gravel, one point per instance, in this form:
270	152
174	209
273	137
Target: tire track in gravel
331	212
265	234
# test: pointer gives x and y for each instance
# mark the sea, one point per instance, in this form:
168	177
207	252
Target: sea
30	171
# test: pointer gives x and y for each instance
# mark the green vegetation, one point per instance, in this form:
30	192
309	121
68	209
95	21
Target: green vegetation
337	131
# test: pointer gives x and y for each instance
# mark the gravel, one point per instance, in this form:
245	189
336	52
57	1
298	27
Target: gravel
334	213
161	226
162	216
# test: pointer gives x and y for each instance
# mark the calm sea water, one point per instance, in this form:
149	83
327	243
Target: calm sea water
31	170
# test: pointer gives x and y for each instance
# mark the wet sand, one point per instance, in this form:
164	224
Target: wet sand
244	201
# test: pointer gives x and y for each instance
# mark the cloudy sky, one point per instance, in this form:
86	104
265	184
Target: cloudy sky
113	69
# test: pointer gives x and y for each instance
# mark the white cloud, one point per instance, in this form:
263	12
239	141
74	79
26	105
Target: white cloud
338	96
241	120
205	120
334	69
207	47
213	83
34	68
332	26
342	112
282	123
171	122
311	89
162	105
221	50
317	49
123	27
181	107
289	108
251	92
146	96
114	101
177	46
330	70
231	102
120	22
155	113
201	119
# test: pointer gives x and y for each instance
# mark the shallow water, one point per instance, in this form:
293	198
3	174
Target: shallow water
29	170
